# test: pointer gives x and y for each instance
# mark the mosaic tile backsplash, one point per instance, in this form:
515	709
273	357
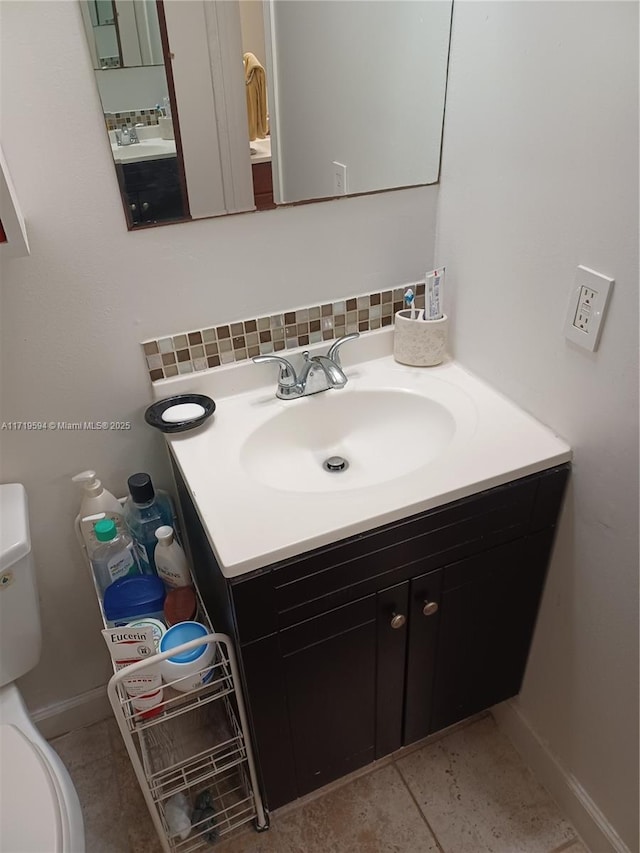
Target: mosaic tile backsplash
114	121
216	345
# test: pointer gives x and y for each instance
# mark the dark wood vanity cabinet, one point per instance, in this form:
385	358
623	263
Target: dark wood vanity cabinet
355	649
262	186
152	190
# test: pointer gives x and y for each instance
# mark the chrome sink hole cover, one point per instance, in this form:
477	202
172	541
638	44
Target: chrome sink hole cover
335	464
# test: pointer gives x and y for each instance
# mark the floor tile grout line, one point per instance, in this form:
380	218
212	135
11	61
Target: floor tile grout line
436	737
566	845
420	811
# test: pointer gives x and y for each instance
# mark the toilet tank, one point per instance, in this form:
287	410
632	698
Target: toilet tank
20	633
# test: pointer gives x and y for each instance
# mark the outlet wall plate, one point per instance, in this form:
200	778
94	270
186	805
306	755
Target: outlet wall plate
587	307
339	178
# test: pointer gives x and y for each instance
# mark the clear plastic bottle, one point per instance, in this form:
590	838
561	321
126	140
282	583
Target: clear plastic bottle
144	512
113	556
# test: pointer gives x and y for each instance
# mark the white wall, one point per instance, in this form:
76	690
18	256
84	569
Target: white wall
540	174
361	83
252	22
123	89
74	312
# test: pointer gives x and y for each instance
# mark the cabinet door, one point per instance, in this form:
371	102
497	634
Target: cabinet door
156	183
330	672
267	704
424	617
392	626
487	615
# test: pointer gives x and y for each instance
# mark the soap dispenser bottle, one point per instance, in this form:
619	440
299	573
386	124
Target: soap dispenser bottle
96	501
145	511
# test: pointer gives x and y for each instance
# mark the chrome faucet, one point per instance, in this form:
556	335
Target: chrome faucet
126	135
318	372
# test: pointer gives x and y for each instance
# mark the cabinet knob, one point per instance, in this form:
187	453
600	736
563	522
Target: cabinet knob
145	206
430	607
398	620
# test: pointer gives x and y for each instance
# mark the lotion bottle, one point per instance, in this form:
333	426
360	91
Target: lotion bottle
171	562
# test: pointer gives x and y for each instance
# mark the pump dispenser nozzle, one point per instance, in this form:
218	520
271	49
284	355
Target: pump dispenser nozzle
89	482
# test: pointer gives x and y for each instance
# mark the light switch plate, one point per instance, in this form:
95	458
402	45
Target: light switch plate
339	178
587	307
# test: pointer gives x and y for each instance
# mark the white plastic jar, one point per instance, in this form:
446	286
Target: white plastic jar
187	670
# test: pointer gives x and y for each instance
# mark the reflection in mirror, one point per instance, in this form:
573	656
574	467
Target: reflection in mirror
122	33
126	45
356	108
358	95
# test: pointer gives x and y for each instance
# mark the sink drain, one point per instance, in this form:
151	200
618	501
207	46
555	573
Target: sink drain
335	464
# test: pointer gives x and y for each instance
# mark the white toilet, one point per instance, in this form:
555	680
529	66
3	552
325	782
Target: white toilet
39	807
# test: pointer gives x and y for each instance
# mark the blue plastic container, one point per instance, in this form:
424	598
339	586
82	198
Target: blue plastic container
188	670
134	598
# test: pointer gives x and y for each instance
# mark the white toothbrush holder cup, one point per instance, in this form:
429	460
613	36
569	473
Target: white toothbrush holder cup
165	126
418	342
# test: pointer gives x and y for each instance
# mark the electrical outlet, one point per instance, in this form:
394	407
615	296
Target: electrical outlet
586	301
339	178
587	306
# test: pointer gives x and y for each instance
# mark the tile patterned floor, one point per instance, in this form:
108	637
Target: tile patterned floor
467	792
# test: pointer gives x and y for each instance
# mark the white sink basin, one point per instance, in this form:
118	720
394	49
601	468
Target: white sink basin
415	439
146	149
383	434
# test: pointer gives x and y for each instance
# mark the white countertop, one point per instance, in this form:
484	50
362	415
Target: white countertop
260	150
251	524
150	148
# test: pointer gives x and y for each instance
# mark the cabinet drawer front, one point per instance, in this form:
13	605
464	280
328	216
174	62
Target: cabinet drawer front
303	587
440	537
488	563
330	624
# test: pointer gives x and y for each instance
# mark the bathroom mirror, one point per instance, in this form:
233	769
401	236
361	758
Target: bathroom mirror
358	91
128	43
356	108
122	33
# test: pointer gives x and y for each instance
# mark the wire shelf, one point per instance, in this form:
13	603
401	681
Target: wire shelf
193	742
176	757
230	791
220	683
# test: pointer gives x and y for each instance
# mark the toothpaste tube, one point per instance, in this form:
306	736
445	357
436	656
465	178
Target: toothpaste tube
128	645
433	294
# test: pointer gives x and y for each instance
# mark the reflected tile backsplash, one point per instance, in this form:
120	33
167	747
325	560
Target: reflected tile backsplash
114	121
213	346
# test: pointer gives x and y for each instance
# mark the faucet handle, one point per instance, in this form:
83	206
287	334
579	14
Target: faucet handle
334	353
287	376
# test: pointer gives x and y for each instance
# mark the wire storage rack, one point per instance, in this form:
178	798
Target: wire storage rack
191	753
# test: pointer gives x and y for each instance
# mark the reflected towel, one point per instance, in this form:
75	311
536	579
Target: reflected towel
256	84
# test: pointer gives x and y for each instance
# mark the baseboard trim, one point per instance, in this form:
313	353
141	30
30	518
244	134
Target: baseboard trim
595	831
75	713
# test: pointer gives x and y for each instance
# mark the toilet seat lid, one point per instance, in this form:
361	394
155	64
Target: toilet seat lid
31	820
